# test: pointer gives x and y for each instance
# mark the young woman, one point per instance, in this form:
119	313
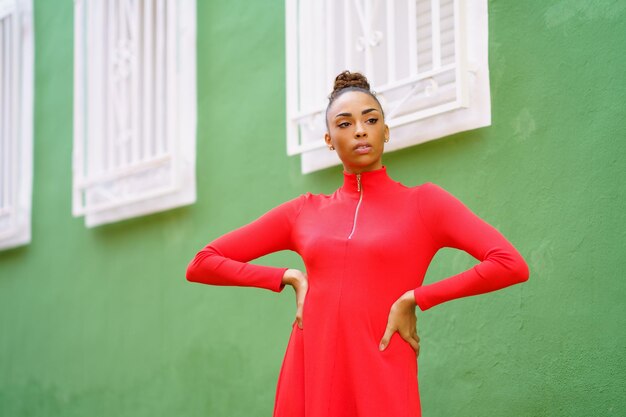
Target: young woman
366	248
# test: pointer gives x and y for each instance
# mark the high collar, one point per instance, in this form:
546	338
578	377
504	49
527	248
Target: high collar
370	181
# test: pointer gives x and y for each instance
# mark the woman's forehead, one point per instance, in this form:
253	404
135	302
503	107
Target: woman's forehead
353	101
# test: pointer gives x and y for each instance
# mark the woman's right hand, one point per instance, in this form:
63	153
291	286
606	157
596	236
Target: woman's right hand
298	280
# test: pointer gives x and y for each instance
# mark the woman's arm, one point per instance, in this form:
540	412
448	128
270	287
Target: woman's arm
452	224
224	261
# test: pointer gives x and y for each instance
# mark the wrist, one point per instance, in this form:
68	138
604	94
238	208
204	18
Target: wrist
287	277
408	298
291	277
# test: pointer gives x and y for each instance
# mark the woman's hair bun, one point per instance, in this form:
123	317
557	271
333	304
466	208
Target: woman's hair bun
349	79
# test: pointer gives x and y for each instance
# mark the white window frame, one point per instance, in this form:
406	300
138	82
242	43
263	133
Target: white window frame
325	37
134	108
16	122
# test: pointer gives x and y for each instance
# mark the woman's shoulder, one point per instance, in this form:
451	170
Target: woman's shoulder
428	187
304	199
431	194
309	197
422	189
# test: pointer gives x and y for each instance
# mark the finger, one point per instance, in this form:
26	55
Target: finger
299	318
414	344
384	342
301	295
300	309
411	338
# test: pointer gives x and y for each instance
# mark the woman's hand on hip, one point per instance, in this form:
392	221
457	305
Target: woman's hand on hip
298	280
402	319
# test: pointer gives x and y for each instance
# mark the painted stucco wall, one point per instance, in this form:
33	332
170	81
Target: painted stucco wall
101	322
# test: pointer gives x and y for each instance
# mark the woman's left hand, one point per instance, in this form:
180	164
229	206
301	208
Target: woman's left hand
402	319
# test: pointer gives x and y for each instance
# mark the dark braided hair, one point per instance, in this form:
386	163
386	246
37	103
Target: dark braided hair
350	81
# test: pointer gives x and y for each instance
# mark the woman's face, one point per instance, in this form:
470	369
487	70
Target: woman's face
357	131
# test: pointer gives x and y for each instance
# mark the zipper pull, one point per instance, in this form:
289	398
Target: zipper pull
358	182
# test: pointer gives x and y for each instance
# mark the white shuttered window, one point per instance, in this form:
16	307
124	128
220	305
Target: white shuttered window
425	59
16	121
135	108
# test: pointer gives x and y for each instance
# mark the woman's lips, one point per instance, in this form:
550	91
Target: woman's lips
363	149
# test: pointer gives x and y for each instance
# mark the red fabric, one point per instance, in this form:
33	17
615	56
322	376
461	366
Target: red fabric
332	367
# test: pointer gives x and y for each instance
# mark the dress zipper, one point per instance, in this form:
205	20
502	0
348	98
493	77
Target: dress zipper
356	212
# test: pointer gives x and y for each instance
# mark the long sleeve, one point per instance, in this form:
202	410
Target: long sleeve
224	261
454	225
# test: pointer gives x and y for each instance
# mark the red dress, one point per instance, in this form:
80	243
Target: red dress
363	247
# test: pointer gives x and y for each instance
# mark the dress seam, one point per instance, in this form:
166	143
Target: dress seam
420	215
293	222
332	375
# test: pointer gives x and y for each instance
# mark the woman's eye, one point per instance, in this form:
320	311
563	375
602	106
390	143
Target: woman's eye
343	124
372	120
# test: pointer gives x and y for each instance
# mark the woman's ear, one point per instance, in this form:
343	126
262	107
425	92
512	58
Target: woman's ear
329	143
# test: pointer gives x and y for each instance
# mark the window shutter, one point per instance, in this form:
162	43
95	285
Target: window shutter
425	59
16	119
135	108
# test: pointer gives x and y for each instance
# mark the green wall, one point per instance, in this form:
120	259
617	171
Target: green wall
101	322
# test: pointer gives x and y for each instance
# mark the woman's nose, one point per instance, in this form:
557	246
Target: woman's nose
359	131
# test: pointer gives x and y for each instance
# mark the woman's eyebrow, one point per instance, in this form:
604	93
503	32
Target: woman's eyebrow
350	114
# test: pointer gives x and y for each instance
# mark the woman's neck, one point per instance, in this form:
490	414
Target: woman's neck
360	170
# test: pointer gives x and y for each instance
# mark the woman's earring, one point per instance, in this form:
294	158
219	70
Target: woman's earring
386	139
331	148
